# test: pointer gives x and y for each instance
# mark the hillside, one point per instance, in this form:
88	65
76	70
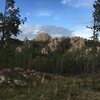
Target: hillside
53	55
18	84
48	68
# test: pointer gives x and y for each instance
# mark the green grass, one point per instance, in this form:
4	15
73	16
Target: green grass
46	88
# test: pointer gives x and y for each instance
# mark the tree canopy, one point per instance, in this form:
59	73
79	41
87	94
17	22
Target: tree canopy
96	15
10	21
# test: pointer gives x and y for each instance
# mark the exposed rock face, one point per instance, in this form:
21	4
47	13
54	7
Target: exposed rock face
52	46
27	44
43	37
88	51
18	49
98	49
2	78
45	50
77	43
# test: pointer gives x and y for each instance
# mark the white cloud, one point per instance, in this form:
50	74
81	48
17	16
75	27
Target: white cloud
83	32
64	2
53	30
86	3
78	3
37	29
57	17
26	28
32	31
28	13
44	13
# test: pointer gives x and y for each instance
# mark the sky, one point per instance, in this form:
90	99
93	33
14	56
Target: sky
56	17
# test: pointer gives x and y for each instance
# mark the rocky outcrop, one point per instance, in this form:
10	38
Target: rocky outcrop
52	46
43	37
98	49
77	43
88	51
2	79
45	50
18	49
17	76
26	44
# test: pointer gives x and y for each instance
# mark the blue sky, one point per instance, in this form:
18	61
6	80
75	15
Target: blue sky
71	16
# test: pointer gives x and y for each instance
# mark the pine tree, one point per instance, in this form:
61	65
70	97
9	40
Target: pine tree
96	30
96	20
10	21
96	15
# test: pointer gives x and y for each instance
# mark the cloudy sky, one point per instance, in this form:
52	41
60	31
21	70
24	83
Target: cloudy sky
56	17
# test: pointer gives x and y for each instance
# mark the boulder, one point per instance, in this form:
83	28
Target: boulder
19	82
2	79
18	69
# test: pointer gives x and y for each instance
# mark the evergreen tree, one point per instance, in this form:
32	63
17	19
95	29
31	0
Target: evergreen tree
96	30
96	15
96	20
10	21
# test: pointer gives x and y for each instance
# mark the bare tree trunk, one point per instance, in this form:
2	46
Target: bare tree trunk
94	51
93	75
2	40
57	66
61	65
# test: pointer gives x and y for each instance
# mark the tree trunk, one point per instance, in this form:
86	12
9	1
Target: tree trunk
2	40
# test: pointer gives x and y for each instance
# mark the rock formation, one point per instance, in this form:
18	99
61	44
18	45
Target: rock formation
43	37
52	46
88	51
77	43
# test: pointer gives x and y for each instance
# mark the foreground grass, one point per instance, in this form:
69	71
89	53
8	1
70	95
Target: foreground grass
45	87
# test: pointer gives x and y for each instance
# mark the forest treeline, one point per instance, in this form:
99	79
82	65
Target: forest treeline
27	54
